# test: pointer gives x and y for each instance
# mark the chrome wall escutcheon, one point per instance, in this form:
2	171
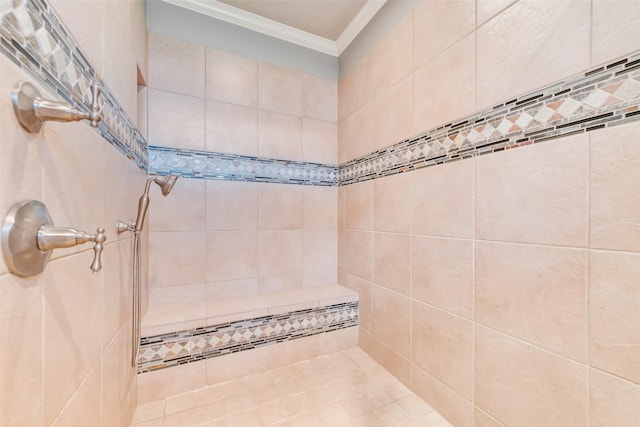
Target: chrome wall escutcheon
29	237
19	244
31	109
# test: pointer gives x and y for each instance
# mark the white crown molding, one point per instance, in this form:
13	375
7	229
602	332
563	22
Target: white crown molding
257	23
368	11
251	21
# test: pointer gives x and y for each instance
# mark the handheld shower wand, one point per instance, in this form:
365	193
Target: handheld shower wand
165	183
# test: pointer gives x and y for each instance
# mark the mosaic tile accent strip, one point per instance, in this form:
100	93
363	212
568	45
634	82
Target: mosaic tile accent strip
178	348
33	37
231	167
603	97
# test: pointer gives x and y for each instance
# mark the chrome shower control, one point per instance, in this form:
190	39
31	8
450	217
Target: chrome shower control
122	226
31	109
96	265
29	237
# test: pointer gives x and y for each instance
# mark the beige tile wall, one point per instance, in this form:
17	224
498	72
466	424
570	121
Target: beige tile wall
502	289
65	334
240	238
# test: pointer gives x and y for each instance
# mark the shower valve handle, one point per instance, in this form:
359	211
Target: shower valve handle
28	238
49	238
100	238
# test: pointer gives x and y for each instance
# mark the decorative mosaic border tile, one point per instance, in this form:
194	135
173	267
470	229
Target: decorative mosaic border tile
33	37
603	97
231	167
178	348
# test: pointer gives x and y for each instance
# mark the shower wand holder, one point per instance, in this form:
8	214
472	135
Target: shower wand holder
29	237
32	110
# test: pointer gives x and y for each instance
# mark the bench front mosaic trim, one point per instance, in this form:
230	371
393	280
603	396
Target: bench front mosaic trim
35	39
177	348
603	97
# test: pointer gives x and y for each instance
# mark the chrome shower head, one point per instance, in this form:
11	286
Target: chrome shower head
166	183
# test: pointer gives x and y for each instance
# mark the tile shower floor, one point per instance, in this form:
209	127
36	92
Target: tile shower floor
346	388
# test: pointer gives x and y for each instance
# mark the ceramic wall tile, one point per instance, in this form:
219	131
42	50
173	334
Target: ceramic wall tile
319	256
535	195
72	315
392	115
319	98
80	206
176	66
521	385
232	205
319	141
116	376
279	207
393	55
516	38
170	250
444	88
392	261
280	252
393	362
359	206
176	121
358	254
442	345
443	200
181	210
20	154
118	60
319	207
361	84
613	206
442	274
121	193
613	326
613	28
447	402
21	370
438	25
231	128
85	403
613	401
365	293
231	78
392	204
279	135
232	255
116	289
279	89
139	37
84	20
358	132
489	8
392	320
535	293
227	288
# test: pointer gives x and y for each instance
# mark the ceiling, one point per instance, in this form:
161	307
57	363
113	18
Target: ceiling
324	18
327	26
